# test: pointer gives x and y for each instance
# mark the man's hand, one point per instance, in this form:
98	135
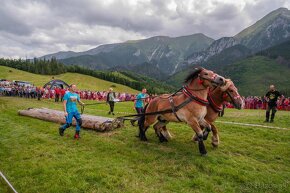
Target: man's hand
65	114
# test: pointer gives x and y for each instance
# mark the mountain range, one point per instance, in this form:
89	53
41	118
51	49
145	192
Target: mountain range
170	58
169	55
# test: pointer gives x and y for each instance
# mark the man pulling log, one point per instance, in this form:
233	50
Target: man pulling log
70	111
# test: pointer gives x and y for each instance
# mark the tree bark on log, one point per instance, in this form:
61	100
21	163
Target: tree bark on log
91	122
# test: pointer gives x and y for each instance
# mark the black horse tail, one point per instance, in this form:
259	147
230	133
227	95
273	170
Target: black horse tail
141	122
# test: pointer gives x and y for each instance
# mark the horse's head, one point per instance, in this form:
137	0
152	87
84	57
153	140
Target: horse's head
211	79
204	77
230	94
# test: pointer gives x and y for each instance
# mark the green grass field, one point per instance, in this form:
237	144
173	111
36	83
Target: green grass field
35	158
82	81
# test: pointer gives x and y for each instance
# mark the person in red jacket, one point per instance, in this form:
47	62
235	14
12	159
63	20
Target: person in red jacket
57	94
62	93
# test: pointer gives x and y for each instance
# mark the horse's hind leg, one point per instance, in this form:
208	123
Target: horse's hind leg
165	132
144	125
161	131
215	136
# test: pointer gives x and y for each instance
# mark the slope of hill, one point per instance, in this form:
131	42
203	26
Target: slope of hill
281	50
227	57
215	48
82	81
145	69
252	75
271	30
152	85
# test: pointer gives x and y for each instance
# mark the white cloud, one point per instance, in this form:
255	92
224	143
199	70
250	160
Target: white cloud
37	27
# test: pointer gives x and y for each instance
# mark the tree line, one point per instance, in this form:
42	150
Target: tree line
54	67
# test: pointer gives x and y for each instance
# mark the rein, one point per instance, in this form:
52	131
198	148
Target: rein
101	103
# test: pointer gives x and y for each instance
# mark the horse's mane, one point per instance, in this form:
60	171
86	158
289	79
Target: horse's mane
193	74
227	85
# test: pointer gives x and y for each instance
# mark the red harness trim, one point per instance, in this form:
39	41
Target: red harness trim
198	100
213	105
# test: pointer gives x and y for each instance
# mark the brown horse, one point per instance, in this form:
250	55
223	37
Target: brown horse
216	98
188	106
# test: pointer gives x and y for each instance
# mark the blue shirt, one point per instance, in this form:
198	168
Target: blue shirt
139	101
71	99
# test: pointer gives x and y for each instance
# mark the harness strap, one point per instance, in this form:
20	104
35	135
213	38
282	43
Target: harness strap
161	112
195	98
173	108
214	106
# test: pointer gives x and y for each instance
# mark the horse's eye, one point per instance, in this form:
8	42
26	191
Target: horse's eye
231	91
206	74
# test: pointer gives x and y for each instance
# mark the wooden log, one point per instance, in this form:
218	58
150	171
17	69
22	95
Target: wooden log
96	123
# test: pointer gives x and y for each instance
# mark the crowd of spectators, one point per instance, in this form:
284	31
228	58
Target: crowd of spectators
27	90
30	91
255	102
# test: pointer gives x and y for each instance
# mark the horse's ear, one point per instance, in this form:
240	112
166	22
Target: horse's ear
226	86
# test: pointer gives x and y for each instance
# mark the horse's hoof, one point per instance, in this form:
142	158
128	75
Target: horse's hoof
144	138
162	138
204	154
215	145
194	138
202	148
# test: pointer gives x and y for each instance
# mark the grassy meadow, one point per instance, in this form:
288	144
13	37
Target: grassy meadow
36	159
84	82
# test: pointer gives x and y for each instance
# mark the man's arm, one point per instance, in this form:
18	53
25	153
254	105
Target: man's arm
144	99
80	102
64	107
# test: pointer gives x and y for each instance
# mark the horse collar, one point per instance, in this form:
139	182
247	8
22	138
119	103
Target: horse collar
197	99
213	105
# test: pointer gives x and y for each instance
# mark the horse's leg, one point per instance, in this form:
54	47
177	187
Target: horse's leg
165	132
206	131
215	136
161	131
196	127
206	128
144	125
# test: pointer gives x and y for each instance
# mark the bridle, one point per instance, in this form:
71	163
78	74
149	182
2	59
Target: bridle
233	98
224	95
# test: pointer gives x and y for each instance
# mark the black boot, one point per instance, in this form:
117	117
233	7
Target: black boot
61	131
